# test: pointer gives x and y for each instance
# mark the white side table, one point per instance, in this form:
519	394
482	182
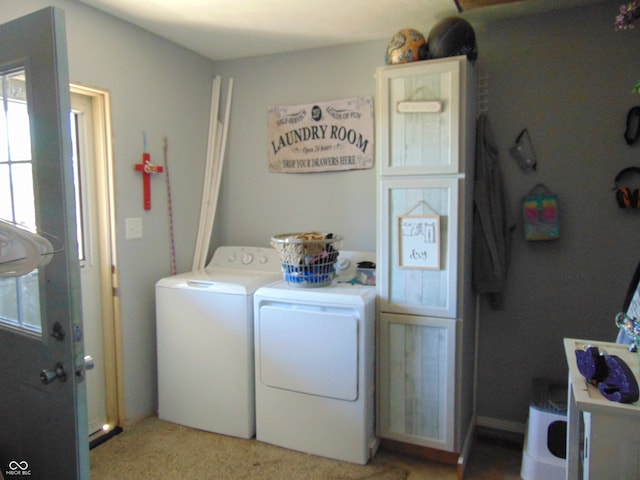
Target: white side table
611	445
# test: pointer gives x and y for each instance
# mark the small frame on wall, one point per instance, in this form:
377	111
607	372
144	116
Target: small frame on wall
419	241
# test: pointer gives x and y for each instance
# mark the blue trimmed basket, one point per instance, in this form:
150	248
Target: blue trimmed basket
307	258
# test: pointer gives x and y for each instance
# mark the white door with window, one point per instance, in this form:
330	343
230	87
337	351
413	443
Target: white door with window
89	256
42	388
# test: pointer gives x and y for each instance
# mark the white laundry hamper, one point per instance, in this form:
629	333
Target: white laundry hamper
307	258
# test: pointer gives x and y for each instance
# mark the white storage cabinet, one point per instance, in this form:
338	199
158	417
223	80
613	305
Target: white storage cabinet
425	114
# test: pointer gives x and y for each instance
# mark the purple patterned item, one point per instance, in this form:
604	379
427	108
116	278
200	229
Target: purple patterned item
620	384
609	373
591	364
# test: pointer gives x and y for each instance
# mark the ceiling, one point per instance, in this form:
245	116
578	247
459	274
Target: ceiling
230	29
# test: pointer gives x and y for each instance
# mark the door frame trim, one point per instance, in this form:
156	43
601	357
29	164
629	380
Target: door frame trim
109	282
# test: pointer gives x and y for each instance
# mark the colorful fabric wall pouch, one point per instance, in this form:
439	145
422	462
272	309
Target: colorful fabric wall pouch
540	209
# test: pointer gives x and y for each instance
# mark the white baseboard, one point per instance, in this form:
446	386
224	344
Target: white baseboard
497	424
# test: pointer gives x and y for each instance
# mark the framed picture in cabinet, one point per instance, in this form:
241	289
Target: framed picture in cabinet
419	241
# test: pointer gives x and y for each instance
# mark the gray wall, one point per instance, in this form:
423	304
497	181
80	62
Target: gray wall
256	204
566	76
162	89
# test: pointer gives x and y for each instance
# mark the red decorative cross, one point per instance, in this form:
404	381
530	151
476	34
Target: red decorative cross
147	168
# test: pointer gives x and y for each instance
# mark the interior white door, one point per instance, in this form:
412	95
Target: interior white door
89	256
43	400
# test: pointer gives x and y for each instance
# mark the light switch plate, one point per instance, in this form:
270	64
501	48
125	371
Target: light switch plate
133	228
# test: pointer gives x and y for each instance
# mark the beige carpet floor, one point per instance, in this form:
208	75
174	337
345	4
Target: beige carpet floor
159	450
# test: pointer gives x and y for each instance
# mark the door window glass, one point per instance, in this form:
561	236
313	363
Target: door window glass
19	296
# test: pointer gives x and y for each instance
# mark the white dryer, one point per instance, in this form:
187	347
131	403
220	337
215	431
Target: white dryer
314	356
204	323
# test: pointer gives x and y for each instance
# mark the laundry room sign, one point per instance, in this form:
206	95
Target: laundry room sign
322	136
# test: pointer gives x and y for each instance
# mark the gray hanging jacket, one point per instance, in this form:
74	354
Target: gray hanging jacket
492	228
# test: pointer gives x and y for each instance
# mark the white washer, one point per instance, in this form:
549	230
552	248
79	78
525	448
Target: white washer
204	323
314	359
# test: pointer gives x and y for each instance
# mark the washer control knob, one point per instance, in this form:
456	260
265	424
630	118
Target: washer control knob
263	260
232	258
247	259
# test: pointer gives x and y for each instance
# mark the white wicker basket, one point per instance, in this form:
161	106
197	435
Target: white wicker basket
307	258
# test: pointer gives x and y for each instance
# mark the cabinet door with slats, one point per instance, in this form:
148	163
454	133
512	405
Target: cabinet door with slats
421	287
419	117
417	378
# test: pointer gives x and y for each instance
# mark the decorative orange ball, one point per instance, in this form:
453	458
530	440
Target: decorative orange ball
407	45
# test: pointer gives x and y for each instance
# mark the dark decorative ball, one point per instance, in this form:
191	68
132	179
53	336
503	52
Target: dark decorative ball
450	37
